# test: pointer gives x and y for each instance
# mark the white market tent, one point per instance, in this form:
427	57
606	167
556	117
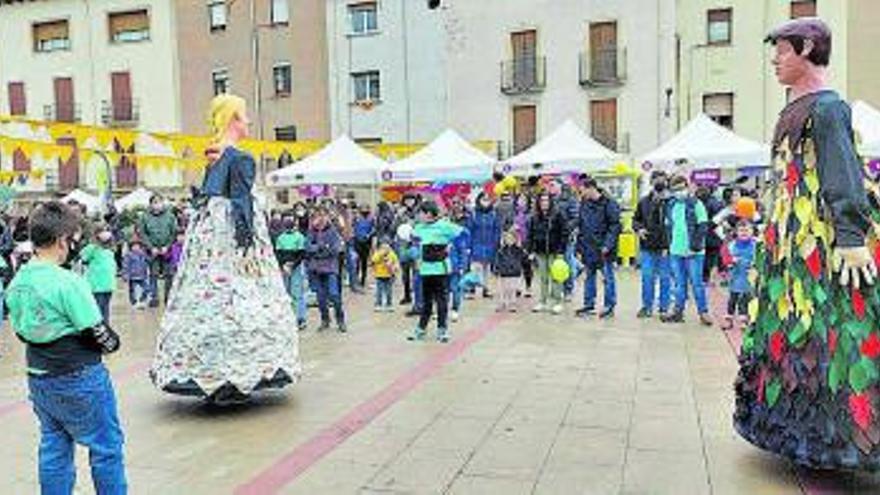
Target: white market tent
567	149
448	158
866	122
703	144
140	197
92	203
340	162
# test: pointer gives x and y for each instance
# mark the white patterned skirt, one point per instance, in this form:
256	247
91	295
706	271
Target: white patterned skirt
229	328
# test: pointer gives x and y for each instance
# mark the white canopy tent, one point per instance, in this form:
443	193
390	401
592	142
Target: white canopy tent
448	158
567	149
703	144
340	162
92	203
140	197
866	122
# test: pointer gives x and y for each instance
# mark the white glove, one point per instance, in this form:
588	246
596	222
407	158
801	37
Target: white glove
853	264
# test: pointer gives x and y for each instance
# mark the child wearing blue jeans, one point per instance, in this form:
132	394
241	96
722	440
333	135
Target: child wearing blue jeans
742	255
136	271
54	313
290	249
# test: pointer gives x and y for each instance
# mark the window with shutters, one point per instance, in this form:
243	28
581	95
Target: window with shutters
51	36
283	79
217	13
129	27
364	17
603	122
524	127
720	26
68	172
220	81
367	86
20	161
719	107
524	46
603	52
280	12
17	100
803	8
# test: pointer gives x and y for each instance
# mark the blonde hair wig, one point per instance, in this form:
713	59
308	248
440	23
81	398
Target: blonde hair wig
224	108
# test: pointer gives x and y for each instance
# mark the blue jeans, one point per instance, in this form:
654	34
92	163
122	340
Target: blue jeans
654	266
455	289
418	295
295	283
78	408
574	268
327	288
610	294
103	300
384	292
689	270
138	291
351	265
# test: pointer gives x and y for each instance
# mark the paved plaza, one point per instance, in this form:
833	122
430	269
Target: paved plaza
516	404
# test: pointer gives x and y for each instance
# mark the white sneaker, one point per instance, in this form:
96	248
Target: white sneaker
557	309
538	308
377	309
453	316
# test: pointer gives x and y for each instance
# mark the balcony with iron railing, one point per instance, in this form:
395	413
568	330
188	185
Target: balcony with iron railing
524	75
604	67
62	112
122	112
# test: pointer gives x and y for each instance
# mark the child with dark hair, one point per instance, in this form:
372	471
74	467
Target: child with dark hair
508	266
385	267
290	249
136	272
99	259
435	236
742	255
56	316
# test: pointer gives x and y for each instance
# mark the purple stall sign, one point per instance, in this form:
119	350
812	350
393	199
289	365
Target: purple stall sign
706	177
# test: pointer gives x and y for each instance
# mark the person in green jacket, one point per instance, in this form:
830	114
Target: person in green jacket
435	236
290	249
100	262
157	229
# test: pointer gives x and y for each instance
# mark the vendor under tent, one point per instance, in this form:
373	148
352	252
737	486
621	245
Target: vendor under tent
568	149
703	144
139	198
92	203
449	159
866	123
340	162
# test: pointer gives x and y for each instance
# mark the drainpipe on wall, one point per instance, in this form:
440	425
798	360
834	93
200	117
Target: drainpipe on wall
255	52
406	92
94	100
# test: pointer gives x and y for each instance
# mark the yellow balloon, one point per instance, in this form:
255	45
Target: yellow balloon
510	183
499	189
560	271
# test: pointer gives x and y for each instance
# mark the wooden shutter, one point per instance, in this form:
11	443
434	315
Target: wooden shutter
524	47
603	120
137	20
64	111
20	162
126	171
17	100
603	51
524	124
68	172
120	90
50	31
803	8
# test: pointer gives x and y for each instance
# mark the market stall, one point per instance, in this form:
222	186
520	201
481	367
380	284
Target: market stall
567	149
340	162
447	159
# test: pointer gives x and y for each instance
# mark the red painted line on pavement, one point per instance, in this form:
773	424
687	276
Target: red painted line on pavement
120	376
296	462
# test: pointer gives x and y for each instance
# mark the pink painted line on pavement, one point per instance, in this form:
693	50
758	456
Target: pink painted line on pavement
292	465
121	376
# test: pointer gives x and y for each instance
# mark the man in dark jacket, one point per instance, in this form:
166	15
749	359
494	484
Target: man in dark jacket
157	229
713	206
649	223
598	232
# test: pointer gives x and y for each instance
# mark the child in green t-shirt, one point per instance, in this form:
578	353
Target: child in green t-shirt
100	262
290	249
53	312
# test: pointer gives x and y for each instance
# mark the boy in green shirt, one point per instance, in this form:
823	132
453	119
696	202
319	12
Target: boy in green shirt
100	262
435	236
53	312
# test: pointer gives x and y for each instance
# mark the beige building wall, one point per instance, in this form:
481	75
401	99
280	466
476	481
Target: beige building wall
301	43
864	53
744	66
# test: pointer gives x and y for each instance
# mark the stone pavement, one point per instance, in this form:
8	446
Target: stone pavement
518	403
